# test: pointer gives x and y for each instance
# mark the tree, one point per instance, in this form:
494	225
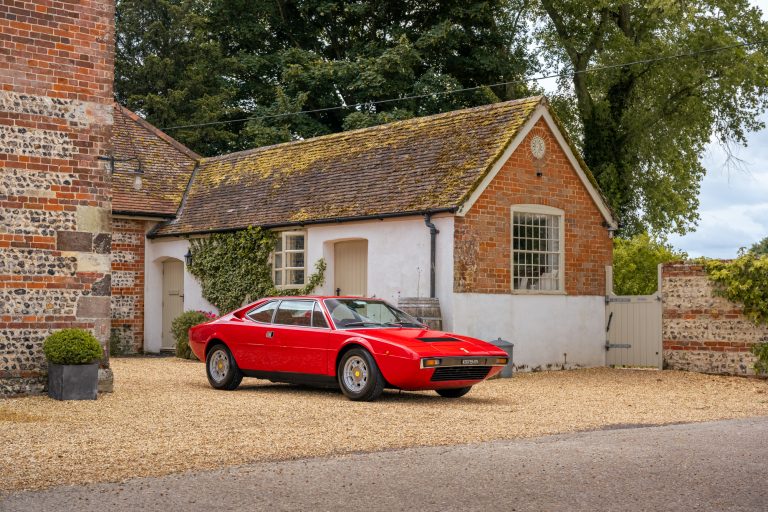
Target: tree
196	61
644	127
636	261
170	69
760	248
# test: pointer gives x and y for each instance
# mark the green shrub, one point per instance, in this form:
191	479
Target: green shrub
743	280
760	350
180	329
72	346
636	261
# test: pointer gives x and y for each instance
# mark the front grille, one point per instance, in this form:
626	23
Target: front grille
460	373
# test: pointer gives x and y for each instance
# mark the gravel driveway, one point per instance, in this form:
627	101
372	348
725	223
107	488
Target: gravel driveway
164	418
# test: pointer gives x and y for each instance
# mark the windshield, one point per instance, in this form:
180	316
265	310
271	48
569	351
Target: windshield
352	313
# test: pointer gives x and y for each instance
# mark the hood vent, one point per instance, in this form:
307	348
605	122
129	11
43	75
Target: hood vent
436	340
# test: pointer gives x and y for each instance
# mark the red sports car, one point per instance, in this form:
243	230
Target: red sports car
360	345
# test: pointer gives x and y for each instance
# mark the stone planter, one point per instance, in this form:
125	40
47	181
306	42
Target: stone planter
73	381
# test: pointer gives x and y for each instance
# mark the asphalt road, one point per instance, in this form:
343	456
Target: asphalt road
706	466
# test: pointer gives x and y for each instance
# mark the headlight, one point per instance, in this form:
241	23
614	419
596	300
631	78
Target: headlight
431	362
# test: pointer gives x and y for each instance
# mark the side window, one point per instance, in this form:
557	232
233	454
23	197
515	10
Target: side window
295	312
318	318
537	248
263	313
288	261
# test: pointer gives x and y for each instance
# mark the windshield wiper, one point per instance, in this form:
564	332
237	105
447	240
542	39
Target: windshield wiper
360	324
405	324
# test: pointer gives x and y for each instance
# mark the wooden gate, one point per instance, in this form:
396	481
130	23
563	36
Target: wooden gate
633	327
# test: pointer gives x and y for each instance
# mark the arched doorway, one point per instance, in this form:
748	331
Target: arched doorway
173	299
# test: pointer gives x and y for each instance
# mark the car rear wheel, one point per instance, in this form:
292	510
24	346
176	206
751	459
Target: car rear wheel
222	369
453	392
359	376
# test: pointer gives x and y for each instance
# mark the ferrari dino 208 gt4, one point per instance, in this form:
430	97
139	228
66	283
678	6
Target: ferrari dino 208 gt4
360	345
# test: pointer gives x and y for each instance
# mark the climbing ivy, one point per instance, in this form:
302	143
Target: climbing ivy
743	280
234	268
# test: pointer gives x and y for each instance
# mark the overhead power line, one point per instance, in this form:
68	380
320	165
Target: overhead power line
475	88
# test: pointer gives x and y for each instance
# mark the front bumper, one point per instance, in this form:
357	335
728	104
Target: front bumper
453	372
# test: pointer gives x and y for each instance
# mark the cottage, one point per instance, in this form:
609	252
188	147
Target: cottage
489	210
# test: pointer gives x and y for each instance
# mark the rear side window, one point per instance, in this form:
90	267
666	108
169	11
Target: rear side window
295	312
263	313
318	318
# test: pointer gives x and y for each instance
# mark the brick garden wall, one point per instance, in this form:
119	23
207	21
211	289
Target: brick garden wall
702	332
56	73
128	285
483	236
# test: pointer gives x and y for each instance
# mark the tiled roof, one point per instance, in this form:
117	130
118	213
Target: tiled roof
418	165
167	166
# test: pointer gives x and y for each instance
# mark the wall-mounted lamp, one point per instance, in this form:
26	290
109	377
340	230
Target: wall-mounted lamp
188	258
138	172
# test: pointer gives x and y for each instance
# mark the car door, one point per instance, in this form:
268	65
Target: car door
301	334
257	341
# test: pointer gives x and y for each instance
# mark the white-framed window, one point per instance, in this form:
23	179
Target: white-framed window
538	241
288	262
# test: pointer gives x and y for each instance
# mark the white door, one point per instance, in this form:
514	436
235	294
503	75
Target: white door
173	299
350	269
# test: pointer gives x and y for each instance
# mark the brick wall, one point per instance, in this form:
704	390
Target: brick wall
128	285
56	72
483	236
702	332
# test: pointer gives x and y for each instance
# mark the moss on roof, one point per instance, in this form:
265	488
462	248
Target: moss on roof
166	167
421	164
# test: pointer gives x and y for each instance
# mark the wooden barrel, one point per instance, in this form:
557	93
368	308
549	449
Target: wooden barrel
425	308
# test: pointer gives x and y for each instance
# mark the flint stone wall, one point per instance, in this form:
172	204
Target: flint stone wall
128	239
703	332
56	76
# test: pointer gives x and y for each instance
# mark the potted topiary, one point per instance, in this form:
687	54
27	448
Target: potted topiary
73	364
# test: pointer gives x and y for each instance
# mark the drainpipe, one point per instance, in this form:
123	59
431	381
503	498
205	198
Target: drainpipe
432	238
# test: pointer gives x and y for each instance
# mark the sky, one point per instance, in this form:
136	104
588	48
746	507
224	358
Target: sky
733	207
734	201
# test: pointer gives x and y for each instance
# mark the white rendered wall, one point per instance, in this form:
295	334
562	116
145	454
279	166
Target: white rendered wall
398	254
157	251
543	328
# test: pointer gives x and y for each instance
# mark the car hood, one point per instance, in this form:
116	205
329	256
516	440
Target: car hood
432	343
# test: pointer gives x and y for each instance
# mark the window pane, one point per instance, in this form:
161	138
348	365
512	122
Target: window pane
294	277
294	242
279	278
278	261
294	259
279	244
263	313
535	251
295	312
318	318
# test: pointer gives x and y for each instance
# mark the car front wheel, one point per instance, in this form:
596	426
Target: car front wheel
453	392
359	376
222	369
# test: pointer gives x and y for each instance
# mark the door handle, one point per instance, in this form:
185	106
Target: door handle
270	334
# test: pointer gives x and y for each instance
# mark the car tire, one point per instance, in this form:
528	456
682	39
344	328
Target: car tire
453	392
221	368
359	376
